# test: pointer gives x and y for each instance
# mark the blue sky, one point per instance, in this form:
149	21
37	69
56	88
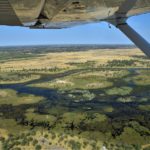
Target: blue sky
98	33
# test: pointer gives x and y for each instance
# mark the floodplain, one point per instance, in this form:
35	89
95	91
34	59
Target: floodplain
77	97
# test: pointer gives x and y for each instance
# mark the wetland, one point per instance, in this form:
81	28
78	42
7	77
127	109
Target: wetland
77	97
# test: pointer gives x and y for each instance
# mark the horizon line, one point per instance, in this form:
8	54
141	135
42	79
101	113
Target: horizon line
67	44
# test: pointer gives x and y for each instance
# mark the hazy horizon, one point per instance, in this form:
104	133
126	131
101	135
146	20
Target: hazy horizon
94	33
69	45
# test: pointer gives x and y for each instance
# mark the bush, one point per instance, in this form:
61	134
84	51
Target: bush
75	145
38	147
46	135
35	142
119	91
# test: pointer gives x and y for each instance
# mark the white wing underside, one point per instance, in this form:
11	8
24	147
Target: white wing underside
66	13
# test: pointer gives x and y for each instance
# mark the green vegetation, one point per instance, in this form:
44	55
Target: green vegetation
122	91
38	117
62	100
76	82
14	77
143	78
144	107
121	63
85	80
11	97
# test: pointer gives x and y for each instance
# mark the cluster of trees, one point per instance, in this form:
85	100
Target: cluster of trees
14	76
14	142
34	123
131	134
54	69
120	63
88	64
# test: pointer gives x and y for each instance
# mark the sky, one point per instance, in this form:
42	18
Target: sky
95	33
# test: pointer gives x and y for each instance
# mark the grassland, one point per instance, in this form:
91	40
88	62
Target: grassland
73	99
15	77
8	96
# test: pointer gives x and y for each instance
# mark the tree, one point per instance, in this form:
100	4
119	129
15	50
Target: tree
38	147
35	142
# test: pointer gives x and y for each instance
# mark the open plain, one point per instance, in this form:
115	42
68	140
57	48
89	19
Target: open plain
77	97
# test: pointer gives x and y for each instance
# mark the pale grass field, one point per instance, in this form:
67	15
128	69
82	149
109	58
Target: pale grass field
57	143
61	60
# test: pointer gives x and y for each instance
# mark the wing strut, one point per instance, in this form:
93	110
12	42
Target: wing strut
119	20
136	38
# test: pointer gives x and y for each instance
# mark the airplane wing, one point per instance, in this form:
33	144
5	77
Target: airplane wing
119	20
65	13
57	14
140	7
